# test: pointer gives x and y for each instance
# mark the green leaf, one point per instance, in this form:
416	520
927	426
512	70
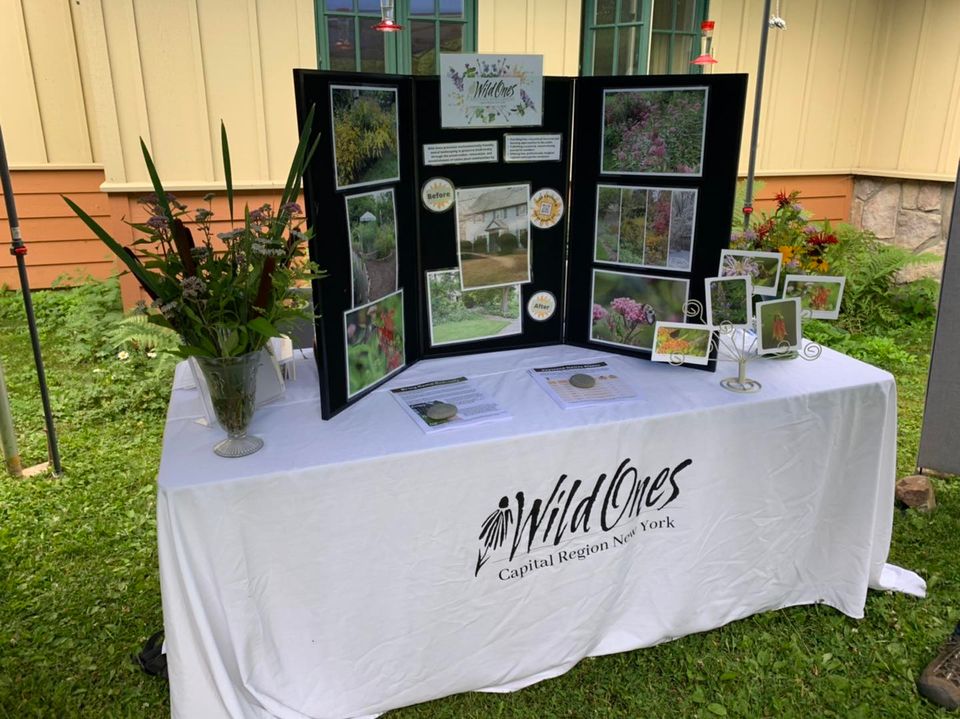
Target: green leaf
227	171
263	327
717	709
155	181
150	281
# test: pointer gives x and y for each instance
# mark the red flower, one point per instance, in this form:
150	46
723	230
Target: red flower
779	327
822	238
783	199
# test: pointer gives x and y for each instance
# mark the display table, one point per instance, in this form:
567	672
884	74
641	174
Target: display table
358	565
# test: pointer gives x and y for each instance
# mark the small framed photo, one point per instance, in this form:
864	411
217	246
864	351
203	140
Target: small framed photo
729	301
763	269
819	295
675	341
778	326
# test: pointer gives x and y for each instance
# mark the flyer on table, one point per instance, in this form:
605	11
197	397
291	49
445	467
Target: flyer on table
606	387
469	404
491	90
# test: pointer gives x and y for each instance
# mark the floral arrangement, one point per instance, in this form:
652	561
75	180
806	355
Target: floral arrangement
804	246
224	297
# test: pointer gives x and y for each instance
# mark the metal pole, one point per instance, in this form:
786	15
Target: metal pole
761	65
19	250
8	438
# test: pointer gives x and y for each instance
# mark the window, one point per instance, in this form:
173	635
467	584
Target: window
346	40
636	37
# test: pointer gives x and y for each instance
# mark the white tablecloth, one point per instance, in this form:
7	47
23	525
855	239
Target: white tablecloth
349	567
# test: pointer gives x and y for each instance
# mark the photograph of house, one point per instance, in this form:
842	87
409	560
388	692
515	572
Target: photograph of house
493	230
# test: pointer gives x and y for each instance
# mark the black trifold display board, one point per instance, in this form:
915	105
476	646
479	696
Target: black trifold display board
584	262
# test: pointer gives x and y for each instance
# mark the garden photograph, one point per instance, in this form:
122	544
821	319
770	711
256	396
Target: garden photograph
645	226
819	296
653	132
763	269
493	230
676	341
778	325
374	339
626	307
366	147
729	301
458	315
371	218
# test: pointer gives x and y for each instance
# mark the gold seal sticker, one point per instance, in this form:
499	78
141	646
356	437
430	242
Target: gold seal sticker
546	208
542	306
437	194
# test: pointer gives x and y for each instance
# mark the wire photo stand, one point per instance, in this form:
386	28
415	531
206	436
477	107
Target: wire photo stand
736	344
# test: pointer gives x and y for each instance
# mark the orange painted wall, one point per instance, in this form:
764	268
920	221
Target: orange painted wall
57	241
827	197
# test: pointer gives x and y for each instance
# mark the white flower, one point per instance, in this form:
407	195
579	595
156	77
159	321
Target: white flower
151	354
123	355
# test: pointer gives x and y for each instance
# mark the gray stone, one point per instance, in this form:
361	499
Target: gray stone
908	199
920	271
916	492
441	410
929	197
914	228
582	381
946	211
865	187
880	212
856	213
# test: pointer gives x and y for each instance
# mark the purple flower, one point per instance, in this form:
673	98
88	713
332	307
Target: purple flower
158	222
291	208
810	230
256	215
750	235
598	313
203	214
526	99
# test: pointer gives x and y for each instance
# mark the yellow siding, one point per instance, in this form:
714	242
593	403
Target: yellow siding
174	69
42	113
852	86
540	27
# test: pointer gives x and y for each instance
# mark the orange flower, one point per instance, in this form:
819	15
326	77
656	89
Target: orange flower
779	327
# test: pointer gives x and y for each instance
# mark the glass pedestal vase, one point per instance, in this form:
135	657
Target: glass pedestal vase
232	383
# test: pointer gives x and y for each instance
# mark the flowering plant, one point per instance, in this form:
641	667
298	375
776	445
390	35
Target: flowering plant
804	246
224	298
625	318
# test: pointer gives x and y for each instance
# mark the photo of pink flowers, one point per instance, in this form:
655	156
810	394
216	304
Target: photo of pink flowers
645	226
374	342
654	132
626	307
763	269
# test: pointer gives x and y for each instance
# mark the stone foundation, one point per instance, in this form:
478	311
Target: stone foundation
911	214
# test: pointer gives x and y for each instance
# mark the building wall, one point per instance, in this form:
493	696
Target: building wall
853	87
540	27
868	87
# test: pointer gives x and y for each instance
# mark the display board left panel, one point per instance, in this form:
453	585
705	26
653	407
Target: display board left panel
360	196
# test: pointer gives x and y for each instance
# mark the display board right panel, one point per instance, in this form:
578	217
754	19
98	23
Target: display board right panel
655	170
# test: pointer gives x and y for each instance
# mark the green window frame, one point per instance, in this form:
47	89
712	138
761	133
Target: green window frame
345	30
634	37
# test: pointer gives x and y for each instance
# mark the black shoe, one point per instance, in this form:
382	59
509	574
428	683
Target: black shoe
151	658
940	681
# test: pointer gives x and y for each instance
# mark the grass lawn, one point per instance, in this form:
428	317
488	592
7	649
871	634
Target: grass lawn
467	329
79	589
